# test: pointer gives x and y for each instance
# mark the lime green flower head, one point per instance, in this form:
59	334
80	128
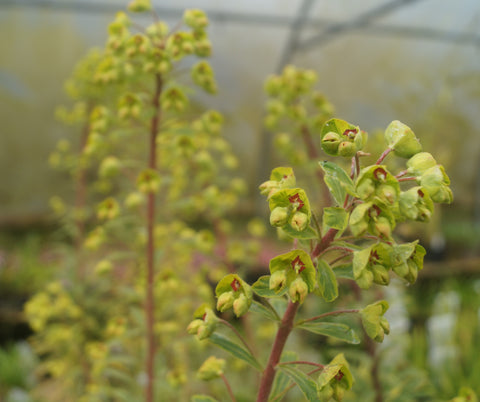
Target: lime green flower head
339	138
233	292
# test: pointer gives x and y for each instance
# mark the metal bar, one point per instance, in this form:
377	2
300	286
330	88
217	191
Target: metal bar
361	21
294	36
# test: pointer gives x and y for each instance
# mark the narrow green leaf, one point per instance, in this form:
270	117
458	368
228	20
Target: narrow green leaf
327	282
331	329
304	382
235	349
202	398
337	181
257	307
336	218
262	288
281	381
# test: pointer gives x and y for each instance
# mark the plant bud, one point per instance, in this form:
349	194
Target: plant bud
338	392
359	219
326	393
241	305
138	6
225	301
267	187
380	275
365	279
194	326
298	290
108	209
402	140
148	181
330	143
109	167
212	368
205	330
195	19
385	325
279	216
388	194
383	227
299	221
277	280
420	163
365	188
347	149
436	182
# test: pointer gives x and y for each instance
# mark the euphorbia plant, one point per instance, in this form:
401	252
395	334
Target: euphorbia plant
155	185
352	238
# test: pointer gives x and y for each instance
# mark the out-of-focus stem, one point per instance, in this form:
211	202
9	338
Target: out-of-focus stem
149	298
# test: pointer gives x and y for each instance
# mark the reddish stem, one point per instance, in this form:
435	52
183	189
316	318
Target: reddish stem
149	298
283	332
286	327
383	156
229	388
401	174
407	179
324	243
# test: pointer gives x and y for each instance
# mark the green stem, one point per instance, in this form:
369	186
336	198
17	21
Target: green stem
149	297
283	332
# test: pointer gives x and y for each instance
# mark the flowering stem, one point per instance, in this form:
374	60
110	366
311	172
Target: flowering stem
283	332
383	156
348	250
286	327
149	297
324	243
229	388
407	179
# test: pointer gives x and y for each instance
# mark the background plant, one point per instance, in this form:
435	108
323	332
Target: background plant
153	185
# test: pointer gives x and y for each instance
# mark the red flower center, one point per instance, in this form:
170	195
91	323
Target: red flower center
235	285
350	133
298	265
380	174
296	199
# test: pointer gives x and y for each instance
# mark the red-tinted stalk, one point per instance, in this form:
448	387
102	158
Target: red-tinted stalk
285	328
383	156
283	332
149	298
